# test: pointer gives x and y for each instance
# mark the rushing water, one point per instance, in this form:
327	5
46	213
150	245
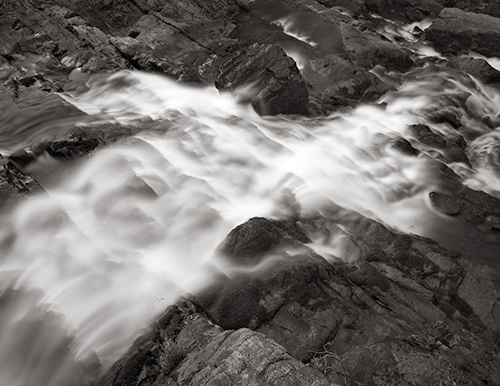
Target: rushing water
120	235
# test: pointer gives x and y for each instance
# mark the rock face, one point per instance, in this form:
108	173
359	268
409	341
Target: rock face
457	31
185	348
411	10
14	184
408	312
273	78
478	68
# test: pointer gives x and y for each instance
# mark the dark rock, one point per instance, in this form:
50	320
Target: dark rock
478	68
249	241
14	184
446	116
278	87
456	31
184	348
405	147
425	135
412	10
71	149
489	7
368	49
354	6
445	203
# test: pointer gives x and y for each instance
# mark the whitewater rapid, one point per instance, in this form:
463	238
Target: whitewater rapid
118	236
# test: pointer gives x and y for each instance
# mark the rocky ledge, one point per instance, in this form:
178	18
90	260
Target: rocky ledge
406	310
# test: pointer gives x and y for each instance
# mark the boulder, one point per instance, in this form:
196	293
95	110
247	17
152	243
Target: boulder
270	80
406	10
445	203
489	7
456	31
249	241
478	68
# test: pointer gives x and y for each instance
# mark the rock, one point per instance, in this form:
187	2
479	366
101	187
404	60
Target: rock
425	135
354	6
368	49
445	203
247	357
14	184
412	10
71	149
257	236
478	68
404	147
184	348
489	7
276	86
456	31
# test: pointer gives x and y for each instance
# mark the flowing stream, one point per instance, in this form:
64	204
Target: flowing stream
116	237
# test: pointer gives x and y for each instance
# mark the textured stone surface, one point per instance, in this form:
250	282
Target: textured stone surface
456	31
274	82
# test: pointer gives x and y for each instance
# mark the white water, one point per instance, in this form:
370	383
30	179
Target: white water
123	234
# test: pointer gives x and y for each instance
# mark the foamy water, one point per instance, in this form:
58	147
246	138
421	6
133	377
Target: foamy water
122	234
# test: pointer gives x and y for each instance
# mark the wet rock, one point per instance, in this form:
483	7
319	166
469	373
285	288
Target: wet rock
489	7
354	6
405	147
412	10
276	86
14	184
71	149
478	68
445	203
446	116
368	49
249	241
425	135
456	31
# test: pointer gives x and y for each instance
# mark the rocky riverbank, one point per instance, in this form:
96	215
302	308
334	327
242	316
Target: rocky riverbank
399	308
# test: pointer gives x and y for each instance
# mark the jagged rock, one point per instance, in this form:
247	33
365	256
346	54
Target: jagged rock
456	31
404	147
478	68
247	357
185	347
425	135
452	149
14	184
276	86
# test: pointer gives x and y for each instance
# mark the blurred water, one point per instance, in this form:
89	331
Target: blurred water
122	234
